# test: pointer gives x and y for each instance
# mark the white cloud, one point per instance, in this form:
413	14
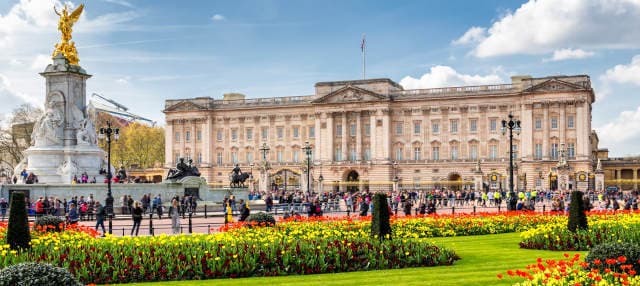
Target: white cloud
624	73
441	76
9	94
123	80
618	130
570	54
120	2
218	17
472	36
542	26
40	62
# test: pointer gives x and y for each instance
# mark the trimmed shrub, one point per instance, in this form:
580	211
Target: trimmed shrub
577	216
614	250
36	274
18	236
49	223
261	218
380	225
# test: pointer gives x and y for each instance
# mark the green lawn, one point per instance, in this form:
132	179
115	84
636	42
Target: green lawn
483	257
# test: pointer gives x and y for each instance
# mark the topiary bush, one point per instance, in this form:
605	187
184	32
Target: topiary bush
380	225
577	216
614	250
261	218
49	223
36	274
18	236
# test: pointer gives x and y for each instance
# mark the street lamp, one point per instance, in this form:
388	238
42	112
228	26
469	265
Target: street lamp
511	125
395	176
264	149
105	133
307	150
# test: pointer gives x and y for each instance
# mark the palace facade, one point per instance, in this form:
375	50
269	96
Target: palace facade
375	134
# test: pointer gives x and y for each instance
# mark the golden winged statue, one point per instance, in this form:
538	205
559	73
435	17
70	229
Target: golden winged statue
67	47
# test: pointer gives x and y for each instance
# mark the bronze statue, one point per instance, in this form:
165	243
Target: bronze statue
237	177
67	47
183	170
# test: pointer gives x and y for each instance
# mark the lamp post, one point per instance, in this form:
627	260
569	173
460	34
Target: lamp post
307	150
105	134
511	125
395	176
264	149
264	176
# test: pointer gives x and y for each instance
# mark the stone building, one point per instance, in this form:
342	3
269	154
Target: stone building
375	134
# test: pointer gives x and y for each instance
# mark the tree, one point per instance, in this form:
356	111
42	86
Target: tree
380	225
18	235
577	216
140	145
17	137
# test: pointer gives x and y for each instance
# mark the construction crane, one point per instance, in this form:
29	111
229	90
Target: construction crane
112	107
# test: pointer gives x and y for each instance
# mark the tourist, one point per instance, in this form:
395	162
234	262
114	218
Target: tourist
137	217
174	213
244	210
157	205
73	216
100	212
3	207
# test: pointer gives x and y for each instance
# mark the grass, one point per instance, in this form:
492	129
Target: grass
483	257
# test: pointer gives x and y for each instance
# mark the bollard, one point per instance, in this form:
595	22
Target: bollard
205	211
208	229
190	228
110	224
498	208
348	212
151	224
453	210
544	208
474	209
123	231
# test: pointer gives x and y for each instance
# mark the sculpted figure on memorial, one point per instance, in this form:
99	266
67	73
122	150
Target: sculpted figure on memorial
67	167
86	135
48	129
66	47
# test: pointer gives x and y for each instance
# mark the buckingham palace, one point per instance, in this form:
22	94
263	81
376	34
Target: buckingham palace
374	134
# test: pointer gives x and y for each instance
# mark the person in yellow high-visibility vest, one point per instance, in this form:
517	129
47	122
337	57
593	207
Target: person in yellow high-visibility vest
228	215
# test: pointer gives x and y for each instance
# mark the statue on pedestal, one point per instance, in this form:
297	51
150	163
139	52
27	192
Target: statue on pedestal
47	130
183	170
67	47
237	177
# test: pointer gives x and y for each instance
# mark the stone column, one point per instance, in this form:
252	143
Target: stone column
526	143
358	115
345	135
545	130
582	134
329	137
206	142
372	136
319	148
635	179
386	134
194	139
562	125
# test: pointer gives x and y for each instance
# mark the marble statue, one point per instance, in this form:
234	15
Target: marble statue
86	135
47	130
68	167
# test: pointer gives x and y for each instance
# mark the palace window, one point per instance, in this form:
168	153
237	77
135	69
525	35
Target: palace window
177	135
554	151
296	156
296	132
417	127
554	122
352	129
538	152
453	125
280	132
219	158
249	156
339	130
416	153
435	153
367	129
234	134
312	132
199	135
234	157
493	151
219	135
571	150
367	154
187	136
493	125
199	158
570	121
473	125
473	152
435	127
249	134
352	154
454	152
538	123
399	153
280	156
265	133
514	152
338	154
399	127
177	156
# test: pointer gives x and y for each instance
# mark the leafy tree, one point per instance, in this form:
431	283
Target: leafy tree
577	216
17	137
18	235
380	225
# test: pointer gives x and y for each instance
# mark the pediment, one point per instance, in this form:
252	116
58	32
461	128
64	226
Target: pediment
185	106
350	94
554	85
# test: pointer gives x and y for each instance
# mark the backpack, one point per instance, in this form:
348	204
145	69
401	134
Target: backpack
83	208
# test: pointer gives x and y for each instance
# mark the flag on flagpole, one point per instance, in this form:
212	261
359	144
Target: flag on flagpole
364	43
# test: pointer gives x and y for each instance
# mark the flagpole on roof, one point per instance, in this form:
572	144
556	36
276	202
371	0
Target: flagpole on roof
363	47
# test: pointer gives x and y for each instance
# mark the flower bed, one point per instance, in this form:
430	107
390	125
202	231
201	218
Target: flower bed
258	252
572	271
602	228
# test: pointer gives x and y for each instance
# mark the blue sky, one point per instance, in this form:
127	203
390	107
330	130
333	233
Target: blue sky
143	52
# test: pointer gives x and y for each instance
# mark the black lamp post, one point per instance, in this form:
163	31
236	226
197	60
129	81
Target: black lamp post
307	150
511	125
105	133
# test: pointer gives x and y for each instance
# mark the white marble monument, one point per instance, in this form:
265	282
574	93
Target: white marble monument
63	142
